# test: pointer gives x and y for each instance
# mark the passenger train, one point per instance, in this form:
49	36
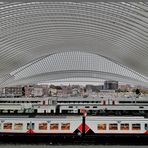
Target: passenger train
73	105
74	127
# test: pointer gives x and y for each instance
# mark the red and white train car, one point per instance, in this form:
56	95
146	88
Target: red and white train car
118	125
62	127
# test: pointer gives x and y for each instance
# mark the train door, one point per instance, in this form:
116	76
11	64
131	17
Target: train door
146	126
44	102
113	102
30	127
109	102
52	111
57	109
104	102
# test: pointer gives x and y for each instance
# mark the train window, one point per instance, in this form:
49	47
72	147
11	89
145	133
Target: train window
125	102
7	125
18	126
101	127
113	126
65	126
54	126
124	126
136	126
142	101
42	126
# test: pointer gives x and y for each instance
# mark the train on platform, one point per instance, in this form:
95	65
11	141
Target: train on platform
73	105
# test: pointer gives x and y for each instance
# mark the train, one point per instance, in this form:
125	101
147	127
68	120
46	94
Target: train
73	127
73	105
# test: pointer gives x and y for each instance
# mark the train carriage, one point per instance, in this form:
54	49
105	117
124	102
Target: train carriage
72	128
39	126
55	125
118	125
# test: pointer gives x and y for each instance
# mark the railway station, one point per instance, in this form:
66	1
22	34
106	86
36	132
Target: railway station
104	43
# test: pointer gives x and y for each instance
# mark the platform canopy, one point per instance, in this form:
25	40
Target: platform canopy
62	39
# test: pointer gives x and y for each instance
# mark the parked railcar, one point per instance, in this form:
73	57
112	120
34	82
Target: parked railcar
73	105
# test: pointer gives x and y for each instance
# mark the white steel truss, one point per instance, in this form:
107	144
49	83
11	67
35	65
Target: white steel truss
32	32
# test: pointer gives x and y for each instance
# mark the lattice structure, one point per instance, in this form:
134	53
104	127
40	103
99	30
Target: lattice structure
42	41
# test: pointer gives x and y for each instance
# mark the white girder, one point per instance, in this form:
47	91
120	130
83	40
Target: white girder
35	30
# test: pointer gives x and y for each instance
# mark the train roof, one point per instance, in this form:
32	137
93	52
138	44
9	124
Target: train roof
49	118
25	99
116	118
102	98
40	118
75	98
79	99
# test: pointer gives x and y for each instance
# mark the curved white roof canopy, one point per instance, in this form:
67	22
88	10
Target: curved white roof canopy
33	30
74	64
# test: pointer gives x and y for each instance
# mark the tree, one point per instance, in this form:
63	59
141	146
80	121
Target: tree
137	92
52	86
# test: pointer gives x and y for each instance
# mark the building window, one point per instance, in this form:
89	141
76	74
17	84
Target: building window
54	126
113	126
124	126
101	127
42	126
18	126
136	126
7	126
65	126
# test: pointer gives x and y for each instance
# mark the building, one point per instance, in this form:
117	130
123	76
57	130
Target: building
37	92
33	91
52	92
15	91
125	88
93	88
45	90
110	85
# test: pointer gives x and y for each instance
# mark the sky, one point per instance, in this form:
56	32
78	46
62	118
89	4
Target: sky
78	81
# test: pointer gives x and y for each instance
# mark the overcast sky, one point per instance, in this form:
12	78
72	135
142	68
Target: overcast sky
78	81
